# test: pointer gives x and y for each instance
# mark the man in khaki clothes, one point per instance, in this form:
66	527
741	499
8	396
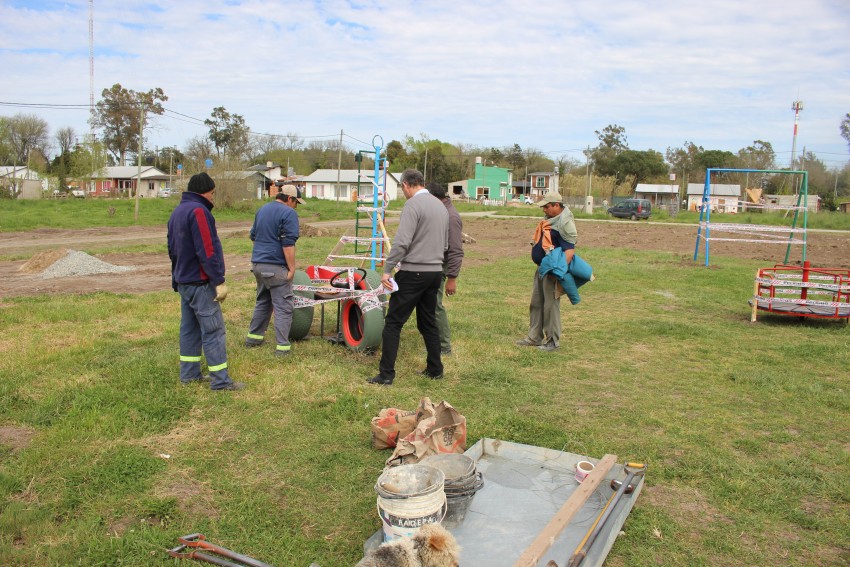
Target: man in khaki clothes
557	229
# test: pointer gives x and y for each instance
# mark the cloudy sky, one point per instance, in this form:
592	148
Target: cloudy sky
540	74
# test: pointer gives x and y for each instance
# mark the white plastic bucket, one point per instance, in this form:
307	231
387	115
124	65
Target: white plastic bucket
409	497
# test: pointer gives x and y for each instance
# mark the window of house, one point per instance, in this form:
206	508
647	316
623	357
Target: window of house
540	182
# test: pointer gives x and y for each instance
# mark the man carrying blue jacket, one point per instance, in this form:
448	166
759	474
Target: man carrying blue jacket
557	230
197	274
274	234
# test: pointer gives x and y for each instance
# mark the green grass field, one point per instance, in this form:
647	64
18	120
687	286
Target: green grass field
105	459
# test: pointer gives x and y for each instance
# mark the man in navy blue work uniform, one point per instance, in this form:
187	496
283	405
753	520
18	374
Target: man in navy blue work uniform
274	234
197	274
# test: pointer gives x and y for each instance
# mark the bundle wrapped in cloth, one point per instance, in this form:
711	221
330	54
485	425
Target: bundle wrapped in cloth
436	429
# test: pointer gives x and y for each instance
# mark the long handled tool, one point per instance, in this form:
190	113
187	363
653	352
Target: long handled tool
556	525
632	470
181	553
199	541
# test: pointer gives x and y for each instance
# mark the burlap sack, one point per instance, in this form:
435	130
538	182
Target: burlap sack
391	425
439	429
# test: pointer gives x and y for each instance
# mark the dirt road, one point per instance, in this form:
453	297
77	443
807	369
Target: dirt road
494	236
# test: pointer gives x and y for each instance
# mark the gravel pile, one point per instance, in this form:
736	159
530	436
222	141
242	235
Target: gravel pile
77	263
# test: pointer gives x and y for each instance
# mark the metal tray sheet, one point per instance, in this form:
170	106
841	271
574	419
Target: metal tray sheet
524	487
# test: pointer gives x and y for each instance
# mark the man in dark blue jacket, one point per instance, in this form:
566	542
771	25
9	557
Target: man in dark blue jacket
274	234
197	274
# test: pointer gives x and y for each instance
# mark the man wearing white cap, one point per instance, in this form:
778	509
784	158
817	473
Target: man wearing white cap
558	229
274	234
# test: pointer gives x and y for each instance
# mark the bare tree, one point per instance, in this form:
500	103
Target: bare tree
293	141
264	144
27	133
66	139
198	149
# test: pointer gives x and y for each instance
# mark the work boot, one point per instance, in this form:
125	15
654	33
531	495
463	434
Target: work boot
527	342
427	374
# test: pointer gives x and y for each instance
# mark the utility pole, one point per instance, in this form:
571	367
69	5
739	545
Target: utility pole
425	169
338	166
835	189
139	157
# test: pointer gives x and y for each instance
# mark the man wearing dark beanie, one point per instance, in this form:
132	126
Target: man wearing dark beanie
197	274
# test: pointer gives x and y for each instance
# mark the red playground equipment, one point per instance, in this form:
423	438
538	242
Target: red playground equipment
802	292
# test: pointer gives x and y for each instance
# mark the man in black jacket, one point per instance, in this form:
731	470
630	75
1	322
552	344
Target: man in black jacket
451	265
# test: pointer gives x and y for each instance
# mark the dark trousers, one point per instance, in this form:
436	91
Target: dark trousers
416	290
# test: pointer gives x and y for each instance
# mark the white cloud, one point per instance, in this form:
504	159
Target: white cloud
720	74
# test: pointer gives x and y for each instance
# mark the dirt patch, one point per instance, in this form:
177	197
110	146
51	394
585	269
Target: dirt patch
492	238
42	260
309	230
120	526
194	498
685	505
499	237
16	437
152	272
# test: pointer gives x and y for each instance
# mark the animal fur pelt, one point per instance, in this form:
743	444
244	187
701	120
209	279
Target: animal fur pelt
431	546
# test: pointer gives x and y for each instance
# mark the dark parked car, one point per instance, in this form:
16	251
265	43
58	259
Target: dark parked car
631	209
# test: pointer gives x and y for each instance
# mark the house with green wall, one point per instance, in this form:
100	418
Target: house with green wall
488	182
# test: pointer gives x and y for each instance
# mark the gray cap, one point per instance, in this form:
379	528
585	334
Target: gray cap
550	197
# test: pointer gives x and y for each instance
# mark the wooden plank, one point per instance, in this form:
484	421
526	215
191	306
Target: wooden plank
531	556
386	238
329	260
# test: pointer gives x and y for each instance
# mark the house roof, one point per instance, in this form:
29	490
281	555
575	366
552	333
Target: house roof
241	174
16	171
128	172
716	190
657	188
263	167
347	176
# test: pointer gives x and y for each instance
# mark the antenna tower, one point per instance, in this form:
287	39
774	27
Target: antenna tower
91	69
796	106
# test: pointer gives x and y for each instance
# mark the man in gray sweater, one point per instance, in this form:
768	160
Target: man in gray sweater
418	248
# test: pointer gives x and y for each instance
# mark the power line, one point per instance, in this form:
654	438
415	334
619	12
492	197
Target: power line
44	105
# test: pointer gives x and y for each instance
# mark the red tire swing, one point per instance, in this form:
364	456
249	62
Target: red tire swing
363	318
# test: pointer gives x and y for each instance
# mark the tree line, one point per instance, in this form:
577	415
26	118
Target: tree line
121	115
